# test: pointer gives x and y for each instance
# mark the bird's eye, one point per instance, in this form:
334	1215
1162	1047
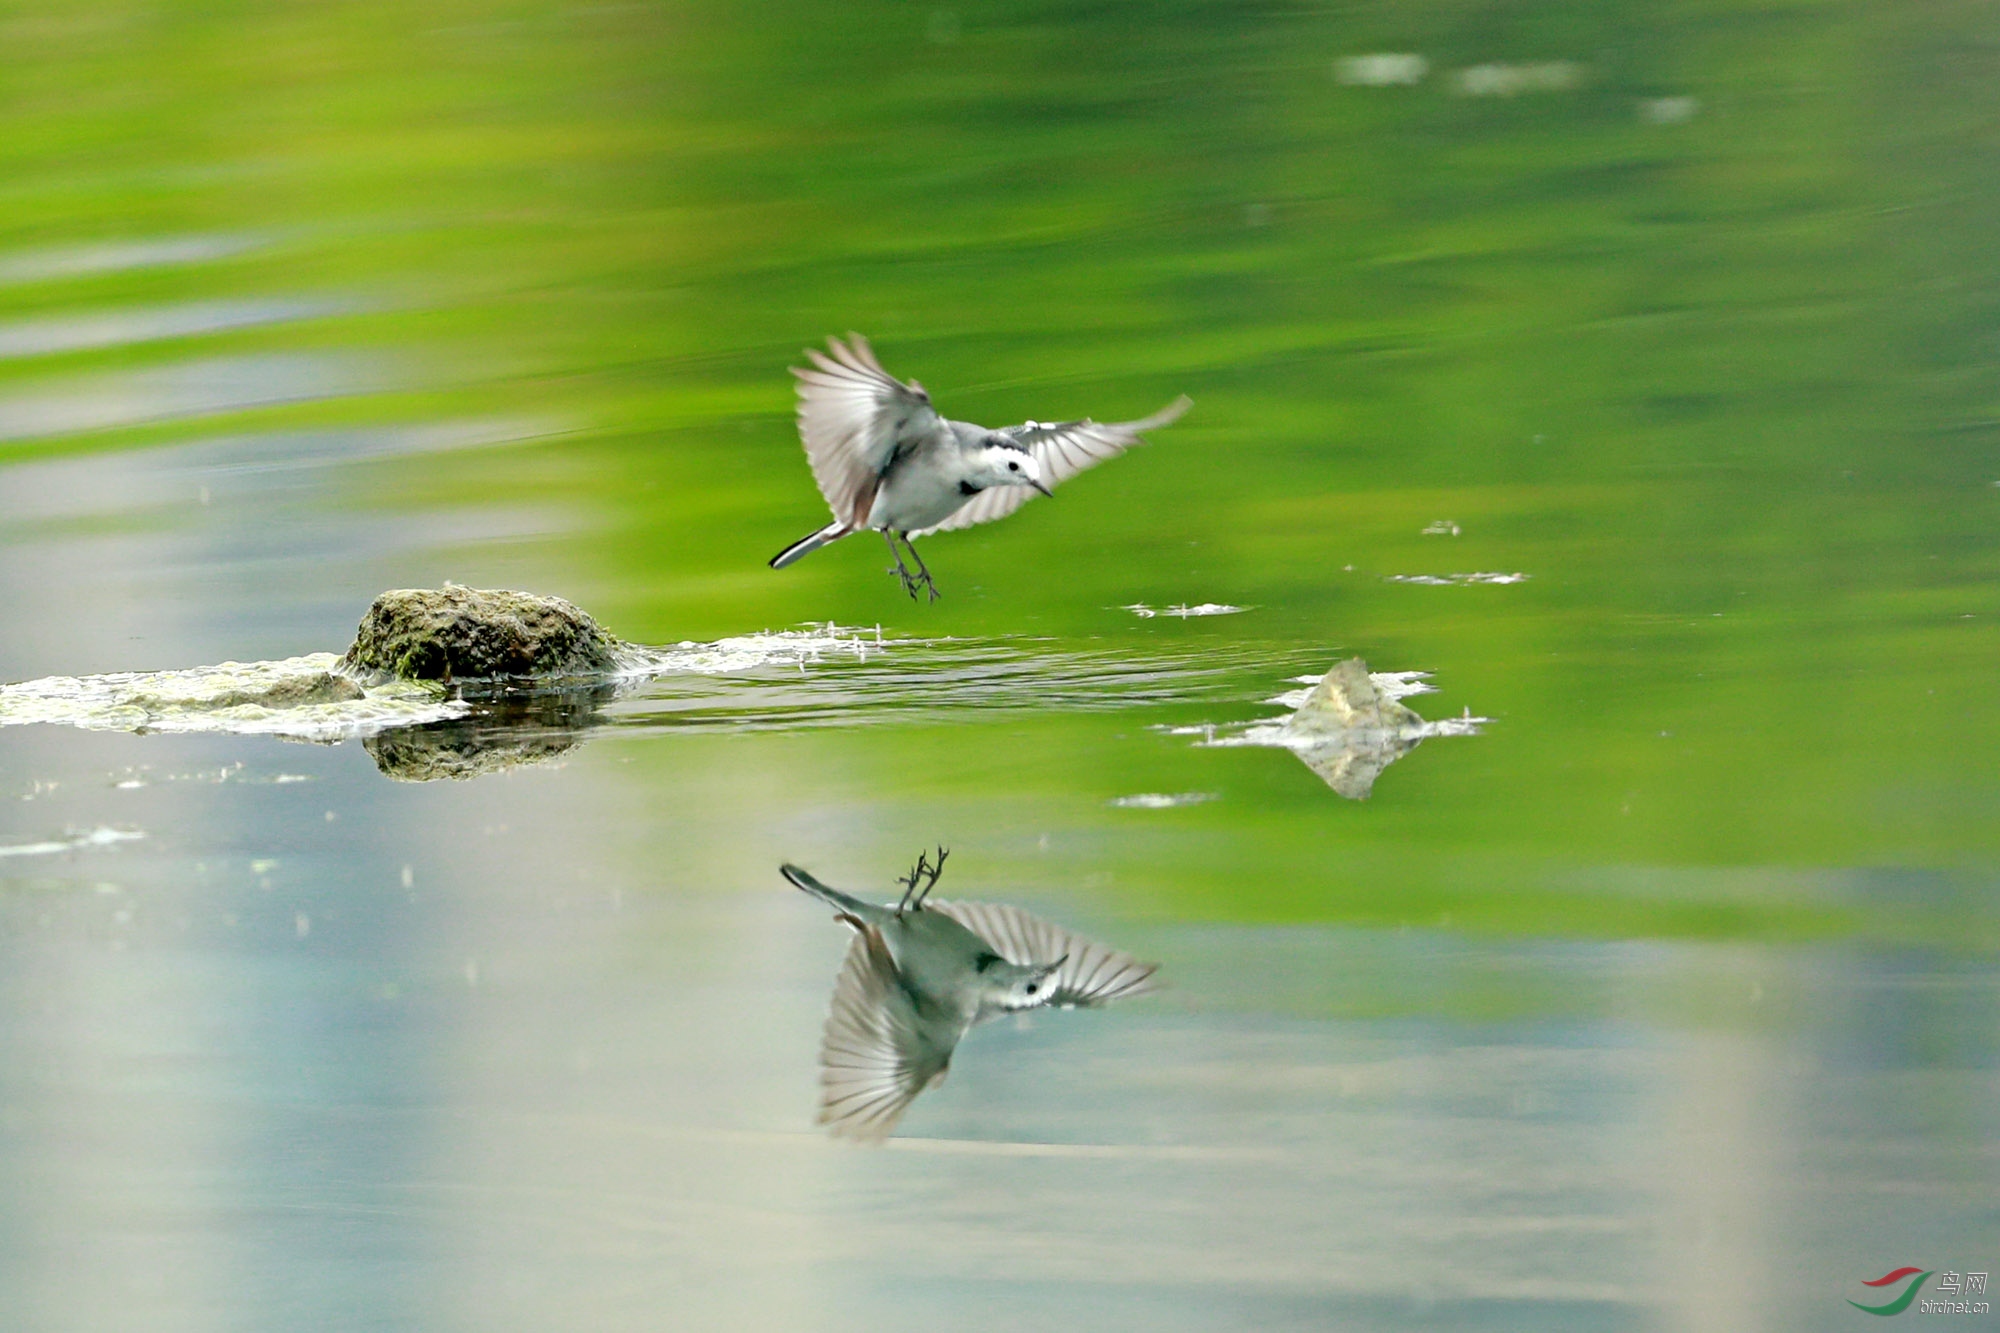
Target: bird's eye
1032	988
1013	467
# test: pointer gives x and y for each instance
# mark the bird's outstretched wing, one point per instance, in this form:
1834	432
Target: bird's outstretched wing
1063	449
875	1056
853	417
1091	974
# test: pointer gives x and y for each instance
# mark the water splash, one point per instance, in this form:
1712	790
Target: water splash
298	698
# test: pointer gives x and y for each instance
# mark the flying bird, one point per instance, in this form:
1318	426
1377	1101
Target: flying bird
921	973
884	459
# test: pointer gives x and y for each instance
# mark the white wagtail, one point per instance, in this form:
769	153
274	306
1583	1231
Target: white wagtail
920	974
884	459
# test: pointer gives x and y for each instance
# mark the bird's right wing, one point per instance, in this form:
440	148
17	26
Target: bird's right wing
853	417
1091	974
1062	449
875	1056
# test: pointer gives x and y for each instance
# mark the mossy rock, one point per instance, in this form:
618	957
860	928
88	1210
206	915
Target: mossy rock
459	634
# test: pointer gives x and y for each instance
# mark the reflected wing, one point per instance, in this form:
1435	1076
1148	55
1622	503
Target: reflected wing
853	416
875	1056
1062	451
1093	974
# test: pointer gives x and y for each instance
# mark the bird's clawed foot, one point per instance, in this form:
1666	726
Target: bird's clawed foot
911	582
925	874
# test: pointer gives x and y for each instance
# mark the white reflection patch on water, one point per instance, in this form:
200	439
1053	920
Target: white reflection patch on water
1382	69
1512	80
78	261
241	467
97	837
189	389
57	334
1668	110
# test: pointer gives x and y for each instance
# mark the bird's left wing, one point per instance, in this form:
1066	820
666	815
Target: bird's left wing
1062	449
853	417
1091	974
876	1054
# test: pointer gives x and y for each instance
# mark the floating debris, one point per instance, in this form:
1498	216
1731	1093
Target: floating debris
53	335
1382	69
1348	727
97	837
1443	527
1456	580
1159	801
1184	611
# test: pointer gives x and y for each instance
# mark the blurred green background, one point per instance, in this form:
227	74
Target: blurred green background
1684	310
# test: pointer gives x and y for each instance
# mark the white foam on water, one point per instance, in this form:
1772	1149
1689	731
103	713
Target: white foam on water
1183	610
1456	580
222	698
1152	800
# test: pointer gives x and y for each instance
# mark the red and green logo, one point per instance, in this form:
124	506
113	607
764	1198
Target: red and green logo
1902	1302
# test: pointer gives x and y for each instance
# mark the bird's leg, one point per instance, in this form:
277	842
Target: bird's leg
931	874
924	579
901	571
909	884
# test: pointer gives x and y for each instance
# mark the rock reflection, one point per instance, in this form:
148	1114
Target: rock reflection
1349	726
920	974
507	732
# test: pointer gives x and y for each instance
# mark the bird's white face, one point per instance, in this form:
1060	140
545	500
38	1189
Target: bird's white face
1001	466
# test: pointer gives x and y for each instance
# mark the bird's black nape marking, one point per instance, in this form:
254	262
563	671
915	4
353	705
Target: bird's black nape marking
925	873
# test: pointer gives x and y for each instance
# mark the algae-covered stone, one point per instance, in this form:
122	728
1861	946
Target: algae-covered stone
455	633
1349	729
1348	699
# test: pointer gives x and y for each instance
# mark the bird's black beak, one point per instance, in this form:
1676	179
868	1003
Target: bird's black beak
1043	489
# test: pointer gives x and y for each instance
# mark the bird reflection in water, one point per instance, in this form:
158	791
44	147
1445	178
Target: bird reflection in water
921	973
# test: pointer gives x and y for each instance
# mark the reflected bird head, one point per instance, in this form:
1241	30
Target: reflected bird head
1015	986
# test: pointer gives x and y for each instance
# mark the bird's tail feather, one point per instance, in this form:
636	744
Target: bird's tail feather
806	545
832	897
